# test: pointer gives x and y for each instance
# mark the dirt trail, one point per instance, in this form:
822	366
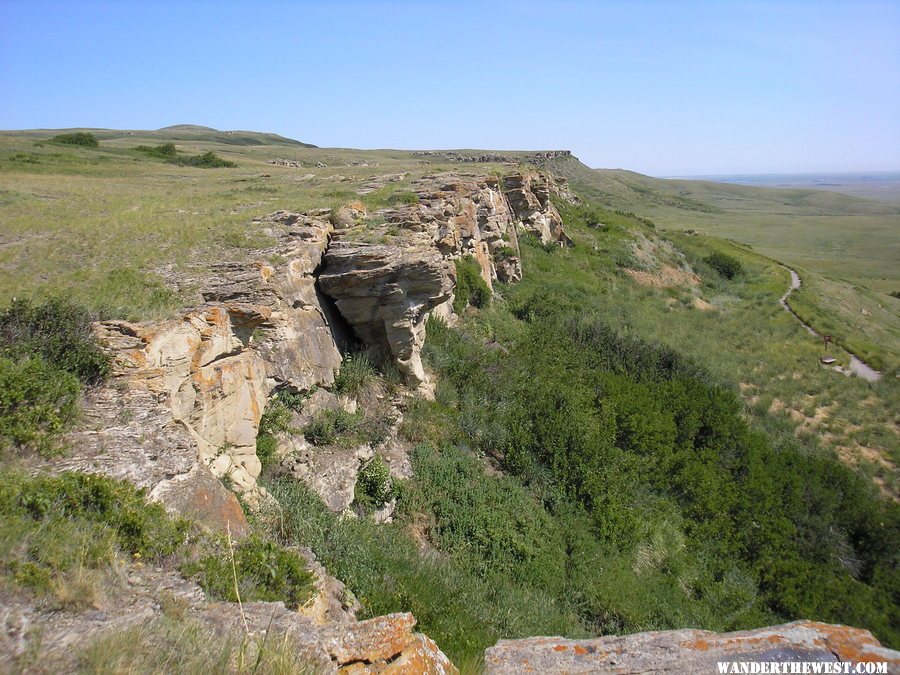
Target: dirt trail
857	366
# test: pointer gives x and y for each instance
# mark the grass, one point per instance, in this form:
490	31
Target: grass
125	233
264	571
179	644
383	567
745	339
846	245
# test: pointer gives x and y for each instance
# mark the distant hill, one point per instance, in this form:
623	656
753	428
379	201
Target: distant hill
184	133
671	200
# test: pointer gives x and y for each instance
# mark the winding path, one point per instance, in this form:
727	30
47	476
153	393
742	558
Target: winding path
857	367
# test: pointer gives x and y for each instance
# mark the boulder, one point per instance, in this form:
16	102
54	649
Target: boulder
689	651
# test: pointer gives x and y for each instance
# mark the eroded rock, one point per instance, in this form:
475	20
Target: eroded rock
385	293
186	395
688	651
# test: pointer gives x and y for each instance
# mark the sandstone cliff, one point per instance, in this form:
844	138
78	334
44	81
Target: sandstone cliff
182	410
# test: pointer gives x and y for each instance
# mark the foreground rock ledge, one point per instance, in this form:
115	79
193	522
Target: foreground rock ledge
689	651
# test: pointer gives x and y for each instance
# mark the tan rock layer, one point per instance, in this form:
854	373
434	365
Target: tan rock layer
386	291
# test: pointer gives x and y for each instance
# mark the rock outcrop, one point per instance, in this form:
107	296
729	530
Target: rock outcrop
324	635
689	651
386	293
186	395
387	289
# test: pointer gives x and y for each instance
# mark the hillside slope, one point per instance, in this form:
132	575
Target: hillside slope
177	133
452	386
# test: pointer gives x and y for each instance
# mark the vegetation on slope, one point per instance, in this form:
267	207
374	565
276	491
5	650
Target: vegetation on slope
61	536
637	493
47	351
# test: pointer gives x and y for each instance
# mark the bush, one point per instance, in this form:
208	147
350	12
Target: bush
44	351
330	426
165	151
265	571
37	402
277	420
490	524
470	289
208	160
81	138
637	442
57	330
374	484
726	265
385	570
57	532
504	253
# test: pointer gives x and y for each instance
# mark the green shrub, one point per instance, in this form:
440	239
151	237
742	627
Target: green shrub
331	426
208	160
165	151
644	445
37	401
276	419
374	484
490	524
81	138
54	527
265	571
384	569
504	253
726	265
57	330
470	289
45	349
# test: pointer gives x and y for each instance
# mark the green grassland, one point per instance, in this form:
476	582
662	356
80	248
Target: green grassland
123	232
845	248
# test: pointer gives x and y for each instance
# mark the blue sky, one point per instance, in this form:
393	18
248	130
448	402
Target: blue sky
665	88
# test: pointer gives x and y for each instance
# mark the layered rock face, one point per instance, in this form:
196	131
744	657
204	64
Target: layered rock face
387	290
386	294
690	651
186	397
191	391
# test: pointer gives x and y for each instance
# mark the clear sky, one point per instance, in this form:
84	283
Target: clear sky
665	88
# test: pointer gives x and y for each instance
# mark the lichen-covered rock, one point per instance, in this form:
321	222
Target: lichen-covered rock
688	651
